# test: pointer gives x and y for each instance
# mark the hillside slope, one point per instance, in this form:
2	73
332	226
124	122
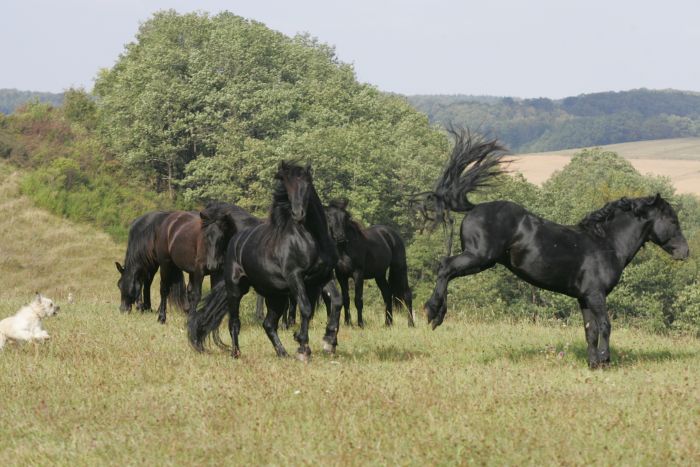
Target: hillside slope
678	159
42	252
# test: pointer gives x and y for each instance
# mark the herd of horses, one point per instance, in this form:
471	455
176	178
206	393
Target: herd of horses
296	255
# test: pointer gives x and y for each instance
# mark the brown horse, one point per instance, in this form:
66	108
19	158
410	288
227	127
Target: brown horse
195	243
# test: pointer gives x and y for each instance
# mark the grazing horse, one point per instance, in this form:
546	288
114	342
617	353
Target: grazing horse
292	254
369	254
140	263
583	261
195	242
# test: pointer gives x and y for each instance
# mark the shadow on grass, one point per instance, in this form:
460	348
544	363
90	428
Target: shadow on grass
383	353
620	356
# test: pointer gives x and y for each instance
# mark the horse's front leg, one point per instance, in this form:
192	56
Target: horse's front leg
147	291
164	292
298	289
332	299
450	267
598	328
196	280
358	277
345	297
239	287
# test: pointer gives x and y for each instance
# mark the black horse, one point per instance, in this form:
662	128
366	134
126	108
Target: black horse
369	254
140	263
292	254
583	261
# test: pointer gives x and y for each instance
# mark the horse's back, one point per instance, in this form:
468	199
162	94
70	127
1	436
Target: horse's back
178	239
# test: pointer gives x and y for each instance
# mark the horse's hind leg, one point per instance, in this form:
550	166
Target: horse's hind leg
386	296
450	267
275	307
332	300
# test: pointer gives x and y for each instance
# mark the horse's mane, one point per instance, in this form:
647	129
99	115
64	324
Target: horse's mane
140	250
594	221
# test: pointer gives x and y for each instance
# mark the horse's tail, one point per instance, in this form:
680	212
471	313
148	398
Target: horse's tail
398	275
3	338
178	289
208	317
473	163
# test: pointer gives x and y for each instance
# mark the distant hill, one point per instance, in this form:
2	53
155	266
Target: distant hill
533	125
677	159
10	99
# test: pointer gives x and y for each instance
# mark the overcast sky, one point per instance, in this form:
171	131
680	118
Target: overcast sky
527	48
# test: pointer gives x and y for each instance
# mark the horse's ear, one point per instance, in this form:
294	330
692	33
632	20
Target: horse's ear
203	215
344	203
309	170
120	268
657	198
37	296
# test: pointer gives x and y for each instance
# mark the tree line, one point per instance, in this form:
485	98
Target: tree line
533	125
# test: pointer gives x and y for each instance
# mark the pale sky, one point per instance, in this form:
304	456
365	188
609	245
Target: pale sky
528	48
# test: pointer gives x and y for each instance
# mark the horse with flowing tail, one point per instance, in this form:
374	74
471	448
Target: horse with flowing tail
369	254
195	243
140	263
292	254
584	261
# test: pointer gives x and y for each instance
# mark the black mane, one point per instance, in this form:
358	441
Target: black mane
594	221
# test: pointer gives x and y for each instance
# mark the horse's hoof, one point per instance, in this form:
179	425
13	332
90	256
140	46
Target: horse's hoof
360	324
328	348
236	353
303	357
161	320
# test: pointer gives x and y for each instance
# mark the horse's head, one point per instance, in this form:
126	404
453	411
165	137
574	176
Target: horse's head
666	230
297	182
338	219
129	286
217	228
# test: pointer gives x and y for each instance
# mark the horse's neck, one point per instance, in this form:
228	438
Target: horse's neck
628	234
316	223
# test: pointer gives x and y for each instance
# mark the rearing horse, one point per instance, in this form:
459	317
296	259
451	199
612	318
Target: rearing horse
292	254
583	261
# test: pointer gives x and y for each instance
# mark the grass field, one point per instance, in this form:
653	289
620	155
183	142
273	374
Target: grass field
116	389
678	159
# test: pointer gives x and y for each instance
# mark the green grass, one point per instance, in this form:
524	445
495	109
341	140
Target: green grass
121	389
117	389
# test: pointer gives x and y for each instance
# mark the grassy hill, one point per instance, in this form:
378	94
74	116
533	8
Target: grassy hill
116	389
678	159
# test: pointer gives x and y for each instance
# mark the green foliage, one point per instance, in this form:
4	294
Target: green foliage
209	105
531	125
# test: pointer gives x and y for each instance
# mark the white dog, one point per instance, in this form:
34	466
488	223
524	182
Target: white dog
26	324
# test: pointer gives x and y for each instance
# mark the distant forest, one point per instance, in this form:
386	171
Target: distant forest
10	99
533	125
